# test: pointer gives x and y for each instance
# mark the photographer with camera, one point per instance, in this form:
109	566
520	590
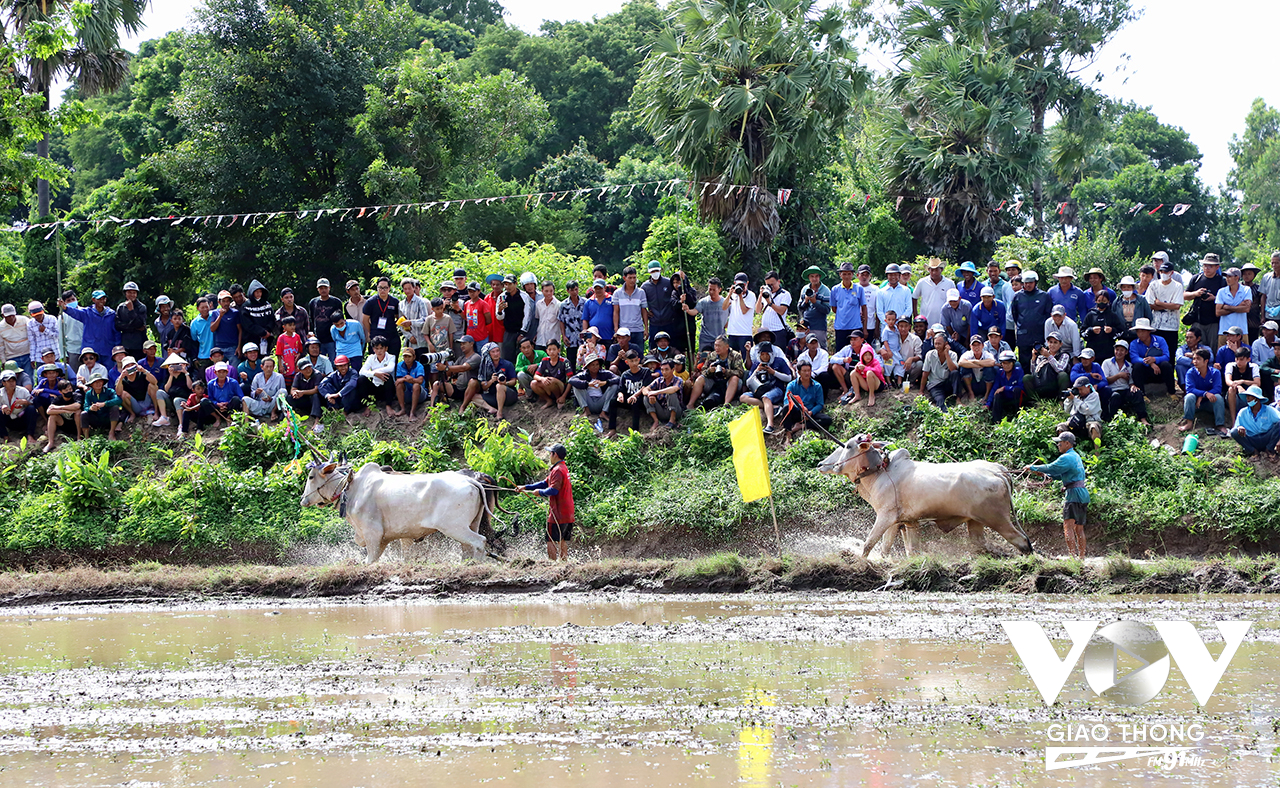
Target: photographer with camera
741	306
1050	368
494	386
815	305
722	371
1084	411
773	303
451	380
766	385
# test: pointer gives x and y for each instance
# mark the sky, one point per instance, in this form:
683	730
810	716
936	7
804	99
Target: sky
1198	65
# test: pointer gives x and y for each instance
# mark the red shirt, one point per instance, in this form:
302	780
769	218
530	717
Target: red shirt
496	331
561	510
288	349
479	320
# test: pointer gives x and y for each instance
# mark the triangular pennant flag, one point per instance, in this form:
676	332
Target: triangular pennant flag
1100	205
1181	208
1062	208
51	232
362	212
1155	210
177	221
116	219
898	203
1136	208
1254	207
1017	206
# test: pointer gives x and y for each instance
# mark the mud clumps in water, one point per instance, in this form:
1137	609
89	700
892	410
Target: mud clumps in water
719	573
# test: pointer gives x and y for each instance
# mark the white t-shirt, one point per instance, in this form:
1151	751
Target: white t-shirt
548	322
771	319
930	298
1170	293
740	325
869	292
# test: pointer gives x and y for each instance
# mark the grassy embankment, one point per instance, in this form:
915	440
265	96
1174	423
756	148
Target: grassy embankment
197	501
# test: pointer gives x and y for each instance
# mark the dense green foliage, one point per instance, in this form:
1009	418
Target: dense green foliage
276	105
245	490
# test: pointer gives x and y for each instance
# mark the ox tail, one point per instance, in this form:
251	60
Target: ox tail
1013	510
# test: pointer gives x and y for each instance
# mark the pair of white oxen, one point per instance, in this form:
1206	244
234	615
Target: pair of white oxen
383	507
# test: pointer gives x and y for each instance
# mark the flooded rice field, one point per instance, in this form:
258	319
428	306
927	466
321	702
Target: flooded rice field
613	689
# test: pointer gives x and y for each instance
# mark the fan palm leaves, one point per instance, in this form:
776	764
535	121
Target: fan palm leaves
743	91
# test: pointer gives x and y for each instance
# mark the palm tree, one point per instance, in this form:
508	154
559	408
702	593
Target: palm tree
748	93
957	143
96	63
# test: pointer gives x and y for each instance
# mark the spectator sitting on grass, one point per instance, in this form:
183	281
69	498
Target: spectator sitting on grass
722	375
1204	392
805	399
765	384
593	388
100	408
664	396
1006	392
1084	411
1237	377
1257	427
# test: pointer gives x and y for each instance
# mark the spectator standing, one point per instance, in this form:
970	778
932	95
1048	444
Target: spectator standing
657	299
1165	295
289	349
1005	291
323	308
131	320
1249	278
548	311
713	309
1269	286
969	287
894	297
1066	295
380	314
1202	292
289	308
570	318
163	324
1097	284
354	307
773	304
228	331
496	289
15	343
478	319
930	293
414	311
1232	304
439	331
815	305
741	308
849	302
258	318
511	308
1102	326
1263	352
988	312
871	294
71	330
98	321
42	332
1031	309
597	313
202	333
631	308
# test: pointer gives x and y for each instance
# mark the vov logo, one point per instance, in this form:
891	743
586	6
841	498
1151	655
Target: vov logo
1101	650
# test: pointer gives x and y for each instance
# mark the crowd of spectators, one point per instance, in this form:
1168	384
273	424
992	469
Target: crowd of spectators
648	351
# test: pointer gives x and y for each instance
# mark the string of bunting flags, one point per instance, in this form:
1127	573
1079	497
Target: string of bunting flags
389	211
532	199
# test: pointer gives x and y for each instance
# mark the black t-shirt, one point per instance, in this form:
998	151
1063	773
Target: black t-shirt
178	388
513	316
137	387
322	311
1203	309
634	381
378	310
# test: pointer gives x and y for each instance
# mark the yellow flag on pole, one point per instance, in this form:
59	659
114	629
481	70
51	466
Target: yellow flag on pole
749	458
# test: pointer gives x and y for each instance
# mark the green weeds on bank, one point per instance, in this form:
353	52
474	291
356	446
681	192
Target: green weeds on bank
245	489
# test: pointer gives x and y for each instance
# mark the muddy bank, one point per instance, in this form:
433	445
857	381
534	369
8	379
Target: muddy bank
725	572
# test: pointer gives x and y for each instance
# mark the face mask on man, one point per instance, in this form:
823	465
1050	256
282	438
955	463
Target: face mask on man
655	275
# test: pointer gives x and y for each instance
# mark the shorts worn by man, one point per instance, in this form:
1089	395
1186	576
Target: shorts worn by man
1069	469
558	490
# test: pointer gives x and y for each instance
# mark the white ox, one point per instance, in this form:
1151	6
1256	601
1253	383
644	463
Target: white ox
905	492
383	507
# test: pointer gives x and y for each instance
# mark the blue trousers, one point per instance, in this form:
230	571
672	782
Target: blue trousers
1252	444
1218	407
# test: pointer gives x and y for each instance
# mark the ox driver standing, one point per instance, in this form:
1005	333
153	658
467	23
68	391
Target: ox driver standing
1069	469
558	491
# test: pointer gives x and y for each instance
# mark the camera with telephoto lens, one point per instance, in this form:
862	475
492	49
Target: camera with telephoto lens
432	359
718	368
739	289
502	377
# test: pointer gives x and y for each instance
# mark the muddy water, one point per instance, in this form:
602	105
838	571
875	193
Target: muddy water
532	691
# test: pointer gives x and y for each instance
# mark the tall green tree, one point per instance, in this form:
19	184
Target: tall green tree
957	143
753	93
93	59
1049	42
1256	176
